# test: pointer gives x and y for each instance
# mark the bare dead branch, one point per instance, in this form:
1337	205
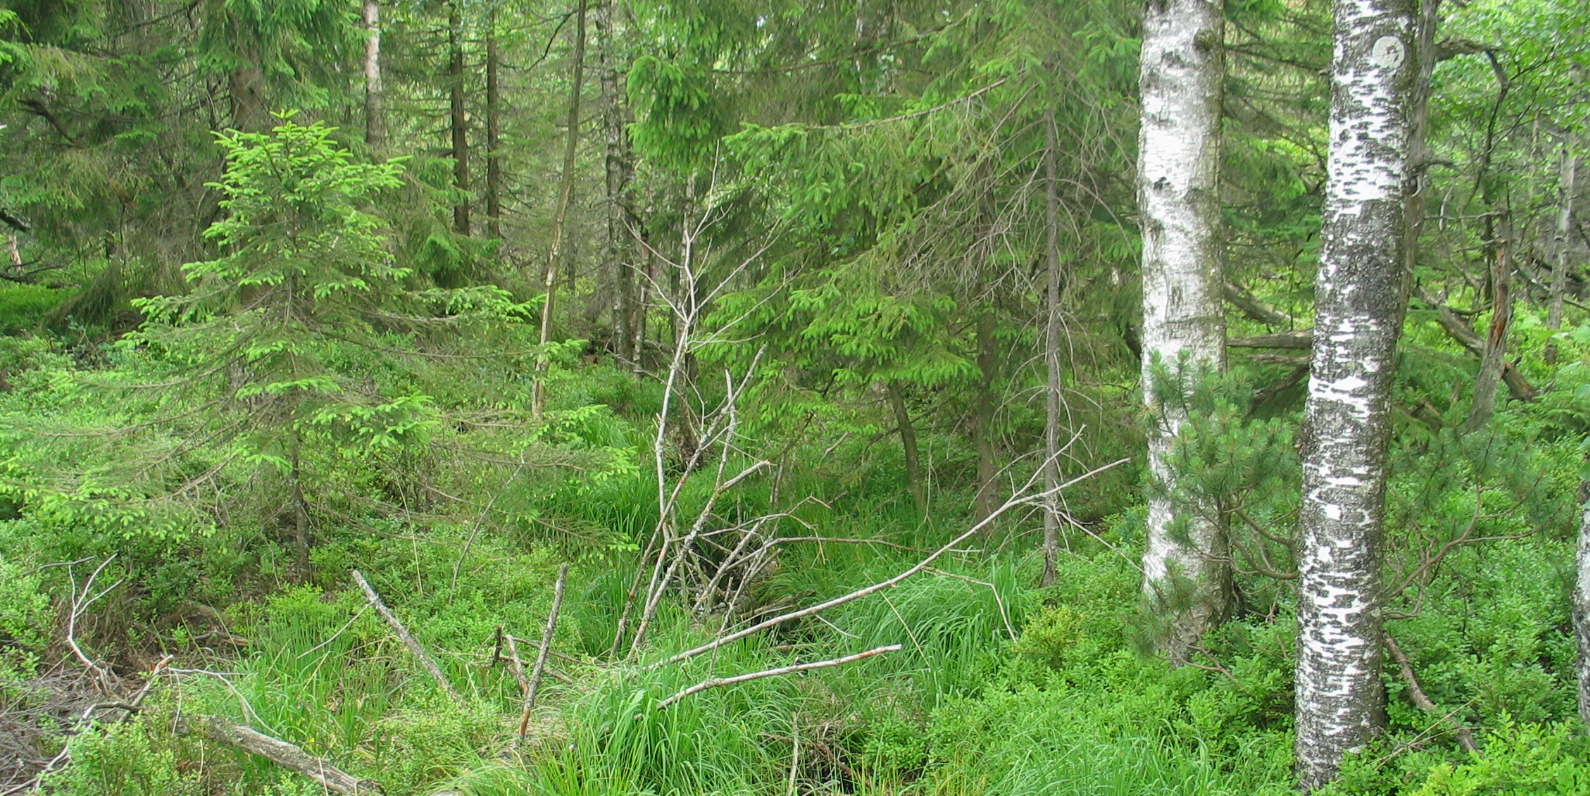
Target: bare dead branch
408	640
282	753
882	585
1420	700
714	682
541	657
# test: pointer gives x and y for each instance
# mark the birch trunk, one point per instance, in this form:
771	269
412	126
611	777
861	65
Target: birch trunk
1186	575
1359	303
1581	613
374	115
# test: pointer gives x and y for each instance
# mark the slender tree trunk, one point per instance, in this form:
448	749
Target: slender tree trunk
1187	575
1360	296
1418	131
300	510
493	130
374	114
1487	384
1053	374
913	459
458	116
987	498
618	248
1581	604
1561	249
565	190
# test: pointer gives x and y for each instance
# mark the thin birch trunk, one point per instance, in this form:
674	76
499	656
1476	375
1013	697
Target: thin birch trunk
1187	571
1360	296
571	143
1581	611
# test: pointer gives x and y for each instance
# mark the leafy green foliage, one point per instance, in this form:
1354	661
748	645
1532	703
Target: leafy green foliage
131	758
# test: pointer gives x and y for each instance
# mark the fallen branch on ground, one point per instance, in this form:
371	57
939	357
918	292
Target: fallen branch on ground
128	708
880	586
1422	701
541	657
714	682
404	636
283	754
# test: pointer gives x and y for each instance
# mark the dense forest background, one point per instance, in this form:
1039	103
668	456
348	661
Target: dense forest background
458	393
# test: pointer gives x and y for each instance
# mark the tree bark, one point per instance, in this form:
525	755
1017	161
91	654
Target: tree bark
618	248
246	85
1494	359
1360	298
374	99
1187	576
1581	612
986	499
493	130
1560	243
295	491
1054	375
282	753
913	460
459	121
560	221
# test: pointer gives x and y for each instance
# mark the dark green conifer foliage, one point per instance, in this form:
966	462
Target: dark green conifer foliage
275	329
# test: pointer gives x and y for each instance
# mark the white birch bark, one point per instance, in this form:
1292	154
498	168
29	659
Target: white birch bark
1186	575
1359	301
1581	615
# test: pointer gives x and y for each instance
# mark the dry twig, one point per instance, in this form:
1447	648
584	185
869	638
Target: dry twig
541	657
408	640
714	682
882	585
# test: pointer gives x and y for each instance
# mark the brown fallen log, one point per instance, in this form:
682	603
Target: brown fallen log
283	754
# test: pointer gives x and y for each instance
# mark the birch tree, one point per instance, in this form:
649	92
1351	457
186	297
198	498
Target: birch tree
1581	613
1359	302
1186	567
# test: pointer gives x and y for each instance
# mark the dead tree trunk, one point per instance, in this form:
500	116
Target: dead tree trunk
538	401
